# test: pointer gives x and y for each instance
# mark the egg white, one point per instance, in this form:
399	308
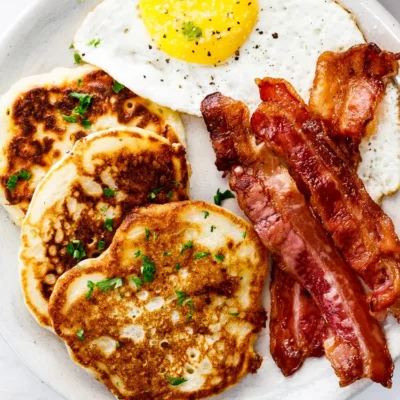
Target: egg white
304	28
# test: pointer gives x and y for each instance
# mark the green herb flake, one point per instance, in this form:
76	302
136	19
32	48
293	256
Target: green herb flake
69	118
191	31
81	335
137	253
75	250
86	123
234	314
206	214
108	224
213	228
220	197
176	184
136	280
24	174
188	245
148	270
71	46
175	381
12	182
112	284
154	193
155	235
147	234
109	192
78	59
84	102
94	42
103	208
79	82
181	297
170	194
199	255
177	267
91	287
219	257
117	87
244	234
166	253
101	245
118	344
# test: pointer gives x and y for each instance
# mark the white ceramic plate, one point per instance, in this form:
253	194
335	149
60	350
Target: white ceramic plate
39	42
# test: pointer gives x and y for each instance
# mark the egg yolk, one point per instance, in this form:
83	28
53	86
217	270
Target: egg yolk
200	31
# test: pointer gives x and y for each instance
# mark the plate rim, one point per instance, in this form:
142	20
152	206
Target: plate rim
374	7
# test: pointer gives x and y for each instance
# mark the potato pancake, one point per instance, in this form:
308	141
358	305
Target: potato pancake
83	199
172	309
41	117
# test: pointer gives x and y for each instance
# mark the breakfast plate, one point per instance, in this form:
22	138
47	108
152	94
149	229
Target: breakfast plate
39	42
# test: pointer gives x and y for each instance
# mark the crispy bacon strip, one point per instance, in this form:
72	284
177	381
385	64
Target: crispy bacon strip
348	88
360	229
297	328
269	197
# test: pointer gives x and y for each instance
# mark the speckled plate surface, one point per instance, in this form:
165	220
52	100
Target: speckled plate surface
38	42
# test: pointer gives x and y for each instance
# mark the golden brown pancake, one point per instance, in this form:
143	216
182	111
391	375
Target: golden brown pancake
172	309
83	199
34	132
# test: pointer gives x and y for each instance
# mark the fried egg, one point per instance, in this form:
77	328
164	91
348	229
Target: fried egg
171	317
83	199
149	46
176	53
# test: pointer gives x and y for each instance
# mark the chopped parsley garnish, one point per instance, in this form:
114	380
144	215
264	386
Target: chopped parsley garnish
154	193
12	182
220	197
148	270
176	184
188	245
72	46
94	42
175	381
137	281
191	31
244	234
101	245
219	257
24	174
137	253
234	314
103	208
108	224
79	82
201	255
189	302
170	194
109	192
81	335
75	250
86	124
112	284
181	297
166	253
177	267
213	228
69	118
117	87
118	344
91	287
155	235
206	214
84	102
78	59
147	232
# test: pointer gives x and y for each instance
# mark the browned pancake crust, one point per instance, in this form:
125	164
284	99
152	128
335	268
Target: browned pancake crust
40	106
142	367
